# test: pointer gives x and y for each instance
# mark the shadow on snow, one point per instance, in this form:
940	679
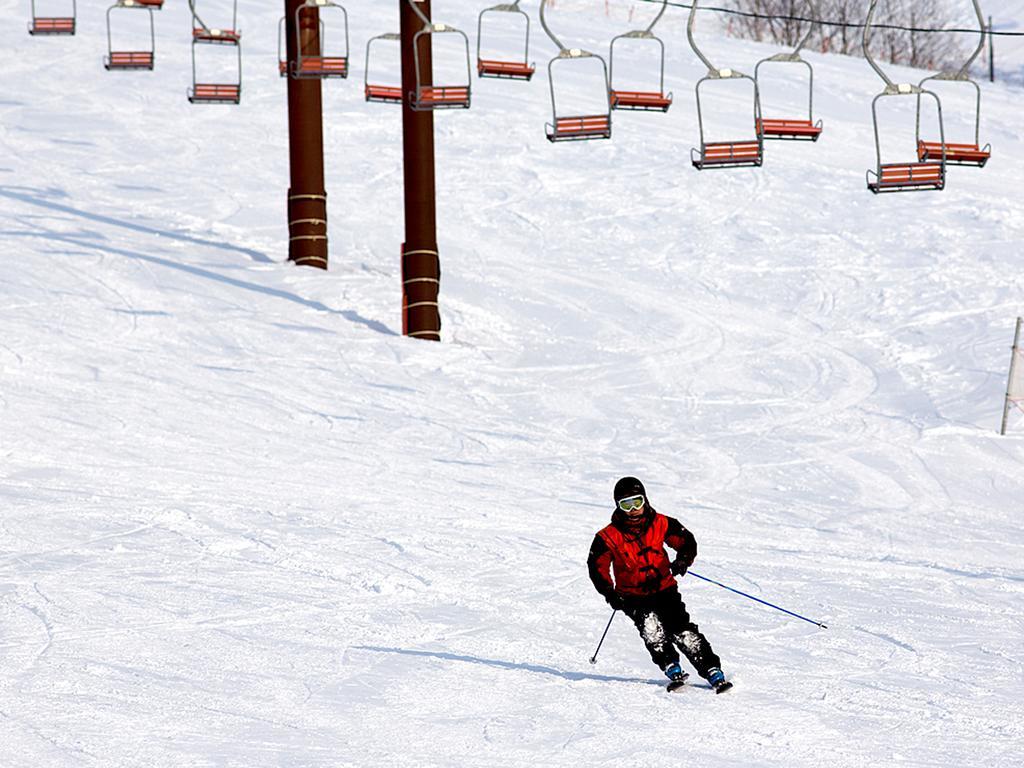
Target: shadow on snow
501	664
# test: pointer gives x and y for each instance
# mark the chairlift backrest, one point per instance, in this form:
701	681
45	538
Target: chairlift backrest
576	127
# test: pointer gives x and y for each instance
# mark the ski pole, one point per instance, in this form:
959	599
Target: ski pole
757	599
593	659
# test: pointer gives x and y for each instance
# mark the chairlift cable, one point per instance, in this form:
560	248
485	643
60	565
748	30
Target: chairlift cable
846	24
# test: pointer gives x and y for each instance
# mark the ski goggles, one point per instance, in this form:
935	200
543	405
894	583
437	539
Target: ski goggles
631	503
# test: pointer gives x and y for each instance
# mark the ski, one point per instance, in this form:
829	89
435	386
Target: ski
675	685
722	687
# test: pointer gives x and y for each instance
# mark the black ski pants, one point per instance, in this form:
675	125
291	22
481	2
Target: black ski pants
665	626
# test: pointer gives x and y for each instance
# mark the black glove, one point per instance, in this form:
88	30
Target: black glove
678	567
616	601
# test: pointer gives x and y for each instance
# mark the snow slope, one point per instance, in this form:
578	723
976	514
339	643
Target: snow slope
243	522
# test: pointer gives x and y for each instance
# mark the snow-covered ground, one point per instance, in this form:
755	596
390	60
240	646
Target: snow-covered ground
244	522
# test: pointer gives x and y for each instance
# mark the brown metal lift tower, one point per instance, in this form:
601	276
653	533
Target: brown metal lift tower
307	196
421	267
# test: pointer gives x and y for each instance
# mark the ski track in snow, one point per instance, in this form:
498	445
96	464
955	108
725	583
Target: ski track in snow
244	522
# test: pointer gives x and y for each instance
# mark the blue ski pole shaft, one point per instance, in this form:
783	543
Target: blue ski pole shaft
759	600
593	659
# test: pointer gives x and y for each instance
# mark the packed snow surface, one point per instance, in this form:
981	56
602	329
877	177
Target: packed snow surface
245	522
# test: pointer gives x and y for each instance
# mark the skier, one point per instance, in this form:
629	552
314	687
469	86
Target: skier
644	586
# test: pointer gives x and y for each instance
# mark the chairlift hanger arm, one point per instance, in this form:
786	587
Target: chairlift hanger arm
429	25
544	25
648	32
865	45
195	16
714	72
962	75
810	28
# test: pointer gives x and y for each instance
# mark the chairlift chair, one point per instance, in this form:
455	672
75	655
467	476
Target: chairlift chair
282	48
575	127
902	177
384	94
958	153
202	35
504	68
215	93
320	66
793	129
53	25
640	100
427	98
724	154
135	59
156	5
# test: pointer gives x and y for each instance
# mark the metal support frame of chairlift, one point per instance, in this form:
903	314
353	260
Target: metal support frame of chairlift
963	153
282	49
53	25
320	66
202	34
640	100
430	97
724	154
122	60
901	177
383	94
575	127
793	129
502	68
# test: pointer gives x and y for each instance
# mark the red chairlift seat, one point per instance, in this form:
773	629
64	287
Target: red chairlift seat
215	93
129	60
728	154
384	93
442	97
156	5
956	154
641	100
509	70
322	66
580	128
52	26
900	177
773	128
217	36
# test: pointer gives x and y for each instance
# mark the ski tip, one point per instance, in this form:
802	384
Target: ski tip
723	687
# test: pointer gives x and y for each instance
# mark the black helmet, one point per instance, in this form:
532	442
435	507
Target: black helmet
628	486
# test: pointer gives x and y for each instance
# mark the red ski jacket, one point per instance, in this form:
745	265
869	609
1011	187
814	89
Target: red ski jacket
637	557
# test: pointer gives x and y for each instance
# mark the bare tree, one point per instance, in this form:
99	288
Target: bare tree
842	33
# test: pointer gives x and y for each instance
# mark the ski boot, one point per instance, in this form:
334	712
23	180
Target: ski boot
717	679
676	676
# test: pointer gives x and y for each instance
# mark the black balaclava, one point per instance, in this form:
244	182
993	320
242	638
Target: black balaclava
624	488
